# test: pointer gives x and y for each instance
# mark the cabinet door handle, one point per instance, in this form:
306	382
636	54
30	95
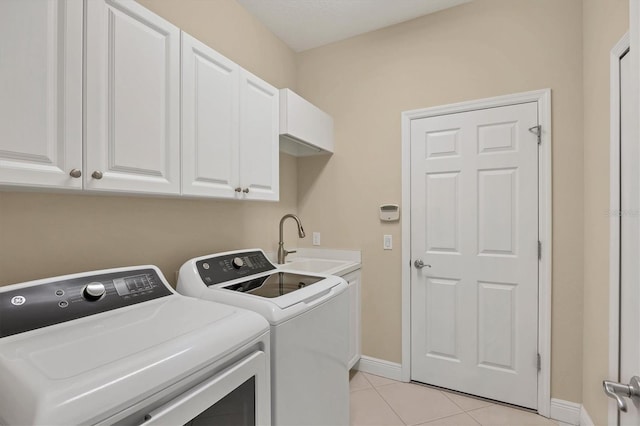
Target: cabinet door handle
238	189
246	190
75	173
96	175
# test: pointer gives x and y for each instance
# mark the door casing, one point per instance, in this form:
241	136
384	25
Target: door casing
543	98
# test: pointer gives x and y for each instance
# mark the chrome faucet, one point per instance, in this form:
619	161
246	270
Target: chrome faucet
282	253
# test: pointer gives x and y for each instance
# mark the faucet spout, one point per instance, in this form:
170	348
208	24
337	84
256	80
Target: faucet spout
282	253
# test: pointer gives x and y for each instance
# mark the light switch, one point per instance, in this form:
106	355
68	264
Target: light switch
387	242
316	238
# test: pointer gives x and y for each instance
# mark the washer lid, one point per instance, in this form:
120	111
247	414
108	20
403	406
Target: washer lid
91	368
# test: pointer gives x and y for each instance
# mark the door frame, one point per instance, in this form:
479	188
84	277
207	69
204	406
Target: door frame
543	98
614	226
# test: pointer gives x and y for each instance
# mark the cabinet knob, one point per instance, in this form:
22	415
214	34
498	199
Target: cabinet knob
246	190
96	175
75	173
238	189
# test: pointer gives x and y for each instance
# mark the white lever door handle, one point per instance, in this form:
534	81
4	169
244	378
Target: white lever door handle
618	391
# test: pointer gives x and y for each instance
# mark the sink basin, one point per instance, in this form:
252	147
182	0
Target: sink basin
321	266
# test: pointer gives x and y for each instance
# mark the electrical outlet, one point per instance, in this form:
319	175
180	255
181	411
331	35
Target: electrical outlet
387	242
316	238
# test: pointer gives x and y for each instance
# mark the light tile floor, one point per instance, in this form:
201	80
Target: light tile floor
379	401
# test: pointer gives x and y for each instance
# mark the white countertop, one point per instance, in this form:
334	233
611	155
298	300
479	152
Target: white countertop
325	261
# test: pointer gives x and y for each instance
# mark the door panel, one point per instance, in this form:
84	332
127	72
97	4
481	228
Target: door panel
443	212
496	325
209	121
442	314
132	99
259	138
497	220
474	222
40	92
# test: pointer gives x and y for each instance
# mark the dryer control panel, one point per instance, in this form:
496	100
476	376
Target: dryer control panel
227	267
64	299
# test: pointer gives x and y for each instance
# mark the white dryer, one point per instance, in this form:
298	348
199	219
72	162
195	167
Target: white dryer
309	317
120	346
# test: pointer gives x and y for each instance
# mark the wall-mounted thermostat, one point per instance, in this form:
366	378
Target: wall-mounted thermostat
389	212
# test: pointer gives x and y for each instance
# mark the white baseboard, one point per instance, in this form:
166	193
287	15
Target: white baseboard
585	419
380	367
565	411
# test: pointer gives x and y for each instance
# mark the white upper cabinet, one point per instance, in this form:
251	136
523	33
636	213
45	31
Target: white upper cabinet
123	132
41	93
304	128
259	150
229	128
132	99
210	127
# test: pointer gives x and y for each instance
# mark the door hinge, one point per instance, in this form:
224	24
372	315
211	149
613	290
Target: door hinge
539	363
539	250
537	130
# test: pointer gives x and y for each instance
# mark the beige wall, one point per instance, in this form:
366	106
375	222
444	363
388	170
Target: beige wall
482	49
44	234
604	23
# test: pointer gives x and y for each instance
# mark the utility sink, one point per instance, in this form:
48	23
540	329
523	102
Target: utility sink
320	266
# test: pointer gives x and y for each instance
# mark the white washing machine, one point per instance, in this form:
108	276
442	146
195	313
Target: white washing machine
120	346
309	321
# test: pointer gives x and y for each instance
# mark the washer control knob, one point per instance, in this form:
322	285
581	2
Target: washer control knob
237	263
94	291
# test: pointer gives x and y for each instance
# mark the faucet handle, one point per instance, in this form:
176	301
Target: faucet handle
290	251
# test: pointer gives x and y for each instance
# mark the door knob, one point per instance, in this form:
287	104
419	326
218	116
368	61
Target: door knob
75	173
96	175
618	391
246	190
419	264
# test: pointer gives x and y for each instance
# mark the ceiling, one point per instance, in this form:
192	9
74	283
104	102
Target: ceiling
305	24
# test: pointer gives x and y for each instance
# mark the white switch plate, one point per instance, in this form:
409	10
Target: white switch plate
316	238
387	242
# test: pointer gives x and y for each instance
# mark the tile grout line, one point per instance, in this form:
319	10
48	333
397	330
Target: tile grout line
387	402
455	403
428	421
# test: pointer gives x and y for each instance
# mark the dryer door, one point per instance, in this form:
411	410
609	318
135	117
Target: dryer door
237	396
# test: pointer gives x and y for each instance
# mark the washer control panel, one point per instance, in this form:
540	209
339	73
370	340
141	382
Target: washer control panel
60	300
228	267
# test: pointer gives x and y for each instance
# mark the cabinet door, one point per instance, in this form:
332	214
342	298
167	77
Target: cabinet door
259	140
132	61
209	121
40	92
355	350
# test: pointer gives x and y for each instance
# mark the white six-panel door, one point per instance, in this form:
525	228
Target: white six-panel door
474	223
41	93
210	126
132	99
